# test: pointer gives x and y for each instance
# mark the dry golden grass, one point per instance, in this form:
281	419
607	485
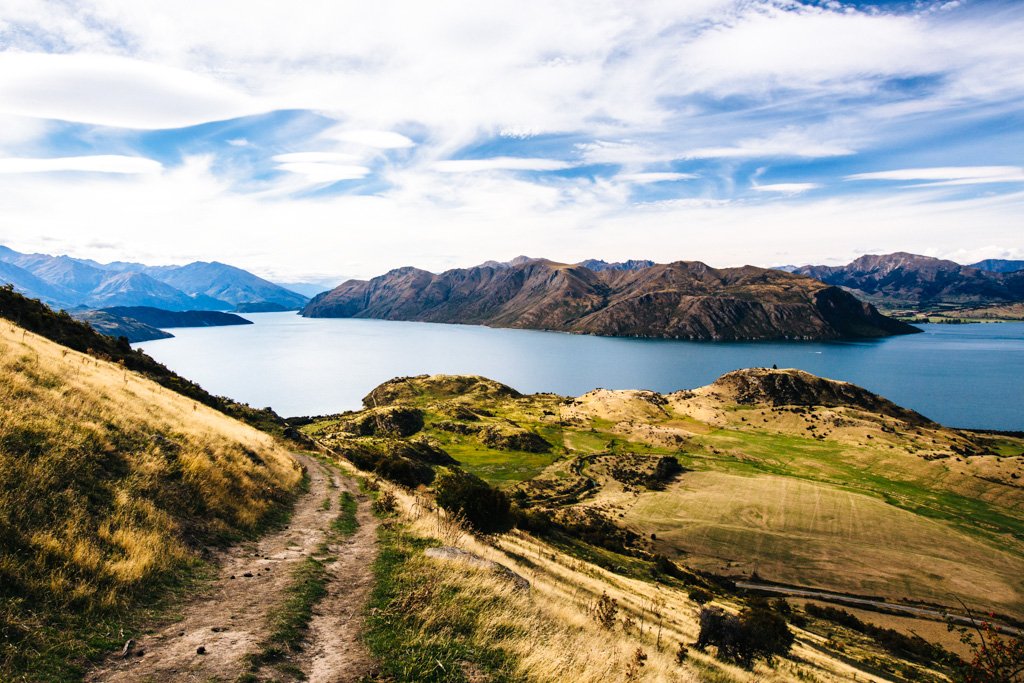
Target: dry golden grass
111	483
549	633
791	530
832	497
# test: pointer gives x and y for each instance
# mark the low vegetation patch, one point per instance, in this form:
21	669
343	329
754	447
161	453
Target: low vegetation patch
422	625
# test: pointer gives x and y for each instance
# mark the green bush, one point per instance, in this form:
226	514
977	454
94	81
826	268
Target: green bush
757	633
486	508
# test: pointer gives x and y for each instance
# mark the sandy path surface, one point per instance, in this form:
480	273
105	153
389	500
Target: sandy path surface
230	618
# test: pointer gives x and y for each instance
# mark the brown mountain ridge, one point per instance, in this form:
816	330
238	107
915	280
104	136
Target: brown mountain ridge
680	300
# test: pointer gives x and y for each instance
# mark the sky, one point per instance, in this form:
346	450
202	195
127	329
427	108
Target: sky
323	139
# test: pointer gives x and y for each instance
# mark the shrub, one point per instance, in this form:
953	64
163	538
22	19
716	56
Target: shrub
605	611
532	520
385	504
485	508
700	596
757	633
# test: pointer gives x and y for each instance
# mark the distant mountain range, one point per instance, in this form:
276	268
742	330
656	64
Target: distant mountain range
596	265
71	283
687	300
998	265
903	279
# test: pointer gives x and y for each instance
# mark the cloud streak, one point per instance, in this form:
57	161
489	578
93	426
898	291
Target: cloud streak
105	163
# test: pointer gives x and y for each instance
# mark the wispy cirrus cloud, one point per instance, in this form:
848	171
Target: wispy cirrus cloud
786	188
500	164
655	177
102	163
948	175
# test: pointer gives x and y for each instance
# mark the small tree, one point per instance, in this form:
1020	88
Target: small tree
484	507
758	633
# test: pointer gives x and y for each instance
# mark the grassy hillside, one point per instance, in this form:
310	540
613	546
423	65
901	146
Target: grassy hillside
61	328
112	486
787	478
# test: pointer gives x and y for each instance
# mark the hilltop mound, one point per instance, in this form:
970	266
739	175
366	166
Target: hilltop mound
437	387
682	300
112	484
791	387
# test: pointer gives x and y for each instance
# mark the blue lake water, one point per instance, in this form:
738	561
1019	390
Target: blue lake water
960	375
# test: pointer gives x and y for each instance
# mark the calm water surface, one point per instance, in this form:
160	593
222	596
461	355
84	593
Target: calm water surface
960	375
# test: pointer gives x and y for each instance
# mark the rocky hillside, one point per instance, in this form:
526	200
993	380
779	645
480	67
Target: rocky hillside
683	300
761	386
903	279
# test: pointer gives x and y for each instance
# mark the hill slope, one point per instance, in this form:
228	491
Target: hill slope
112	484
677	300
158	317
60	327
114	325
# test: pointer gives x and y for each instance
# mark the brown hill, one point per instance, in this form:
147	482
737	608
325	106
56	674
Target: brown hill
789	387
683	300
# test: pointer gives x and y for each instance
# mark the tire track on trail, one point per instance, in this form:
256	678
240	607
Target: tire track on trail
229	619
334	652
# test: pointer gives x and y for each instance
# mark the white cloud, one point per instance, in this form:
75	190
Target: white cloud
786	143
316	157
626	153
381	139
654	177
103	163
239	142
114	91
325	173
500	164
786	188
949	175
637	84
437	221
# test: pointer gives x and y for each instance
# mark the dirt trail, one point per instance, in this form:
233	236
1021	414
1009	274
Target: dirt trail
334	653
229	619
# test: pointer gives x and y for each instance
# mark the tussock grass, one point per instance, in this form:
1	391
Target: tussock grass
436	621
111	486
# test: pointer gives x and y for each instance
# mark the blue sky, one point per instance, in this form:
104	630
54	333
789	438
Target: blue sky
323	139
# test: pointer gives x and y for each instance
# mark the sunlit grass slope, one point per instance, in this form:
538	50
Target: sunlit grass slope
111	485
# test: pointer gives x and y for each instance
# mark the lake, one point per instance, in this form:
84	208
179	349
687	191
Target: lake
960	375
